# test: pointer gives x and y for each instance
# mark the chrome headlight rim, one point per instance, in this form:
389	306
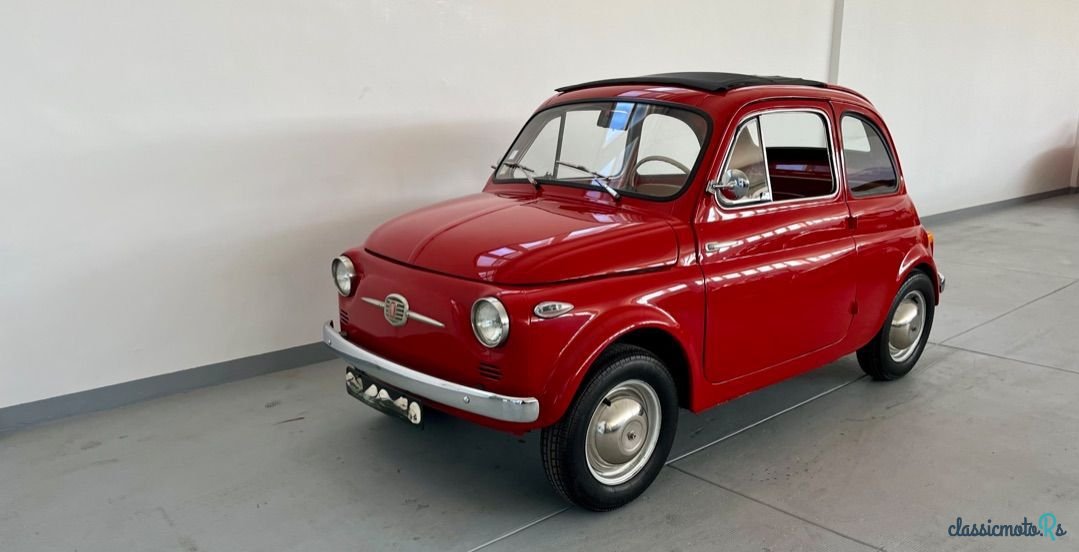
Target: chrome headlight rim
503	320
346	264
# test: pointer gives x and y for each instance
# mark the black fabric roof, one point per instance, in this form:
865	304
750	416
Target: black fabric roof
698	80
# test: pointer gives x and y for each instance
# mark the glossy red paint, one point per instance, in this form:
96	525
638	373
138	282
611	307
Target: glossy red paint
518	240
813	279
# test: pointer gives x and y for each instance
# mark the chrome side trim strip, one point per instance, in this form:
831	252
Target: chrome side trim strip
476	401
425	319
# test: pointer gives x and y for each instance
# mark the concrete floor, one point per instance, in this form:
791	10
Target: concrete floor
985	427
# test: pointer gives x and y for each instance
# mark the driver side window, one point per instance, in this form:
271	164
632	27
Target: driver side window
747	158
780	155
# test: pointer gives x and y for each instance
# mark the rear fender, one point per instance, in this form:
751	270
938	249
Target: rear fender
918	255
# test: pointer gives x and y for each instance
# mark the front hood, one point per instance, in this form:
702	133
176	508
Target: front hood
526	240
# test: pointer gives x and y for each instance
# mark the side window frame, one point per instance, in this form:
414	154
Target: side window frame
833	157
745	121
885	140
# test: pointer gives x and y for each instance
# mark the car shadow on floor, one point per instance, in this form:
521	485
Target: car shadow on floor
426	482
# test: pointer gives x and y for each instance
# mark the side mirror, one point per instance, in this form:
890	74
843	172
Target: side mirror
734	185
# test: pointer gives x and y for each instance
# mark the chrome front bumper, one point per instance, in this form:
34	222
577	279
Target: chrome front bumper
468	399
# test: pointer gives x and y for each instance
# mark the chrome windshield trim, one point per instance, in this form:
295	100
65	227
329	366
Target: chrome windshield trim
410	314
476	401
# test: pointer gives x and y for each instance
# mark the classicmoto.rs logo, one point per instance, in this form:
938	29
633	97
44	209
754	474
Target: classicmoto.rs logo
1047	526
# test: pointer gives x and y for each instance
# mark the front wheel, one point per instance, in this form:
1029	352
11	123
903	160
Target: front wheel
615	437
900	342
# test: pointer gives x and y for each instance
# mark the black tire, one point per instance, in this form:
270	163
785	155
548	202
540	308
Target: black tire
563	445
875	357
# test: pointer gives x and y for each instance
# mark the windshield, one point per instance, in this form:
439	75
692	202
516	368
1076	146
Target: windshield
640	149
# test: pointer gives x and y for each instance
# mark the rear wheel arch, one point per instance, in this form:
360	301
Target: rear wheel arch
918	259
930	271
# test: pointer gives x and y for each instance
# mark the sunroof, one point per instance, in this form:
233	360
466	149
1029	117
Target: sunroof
699	80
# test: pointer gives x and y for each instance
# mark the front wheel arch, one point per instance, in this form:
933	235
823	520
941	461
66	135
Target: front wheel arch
668	350
658	333
573	460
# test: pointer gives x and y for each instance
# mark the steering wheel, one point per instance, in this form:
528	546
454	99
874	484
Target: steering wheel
664	159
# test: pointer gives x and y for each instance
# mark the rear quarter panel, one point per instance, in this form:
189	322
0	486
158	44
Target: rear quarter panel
889	236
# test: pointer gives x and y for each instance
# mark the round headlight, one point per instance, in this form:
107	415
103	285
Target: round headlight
490	322
344	274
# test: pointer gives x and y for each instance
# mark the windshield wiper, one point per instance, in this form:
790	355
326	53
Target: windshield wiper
600	180
528	172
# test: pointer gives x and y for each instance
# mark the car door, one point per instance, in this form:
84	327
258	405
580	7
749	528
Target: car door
777	256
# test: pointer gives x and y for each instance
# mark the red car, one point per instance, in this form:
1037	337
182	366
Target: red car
648	243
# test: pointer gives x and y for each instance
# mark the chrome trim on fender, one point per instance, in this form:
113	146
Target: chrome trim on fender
409	314
551	309
475	401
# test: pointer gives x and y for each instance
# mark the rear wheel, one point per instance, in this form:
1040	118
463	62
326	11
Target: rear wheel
615	437
899	344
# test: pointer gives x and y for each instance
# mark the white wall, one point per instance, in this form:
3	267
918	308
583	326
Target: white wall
981	96
177	175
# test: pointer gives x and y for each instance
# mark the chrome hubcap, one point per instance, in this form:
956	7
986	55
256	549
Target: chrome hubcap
908	322
623	432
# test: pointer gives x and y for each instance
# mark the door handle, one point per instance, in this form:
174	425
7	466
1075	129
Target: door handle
852	222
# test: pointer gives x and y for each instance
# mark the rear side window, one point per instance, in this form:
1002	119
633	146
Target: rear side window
869	165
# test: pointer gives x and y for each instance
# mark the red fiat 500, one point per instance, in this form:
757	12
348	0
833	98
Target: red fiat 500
646	243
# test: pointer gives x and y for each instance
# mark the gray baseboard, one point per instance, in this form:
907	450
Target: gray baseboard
103	398
24	415
960	214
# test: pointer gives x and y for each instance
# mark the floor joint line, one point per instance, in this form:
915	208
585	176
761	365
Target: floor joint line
1011	269
536	521
669	463
762	420
776	508
1002	357
995	318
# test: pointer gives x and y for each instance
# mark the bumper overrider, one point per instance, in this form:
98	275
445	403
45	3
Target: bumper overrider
476	401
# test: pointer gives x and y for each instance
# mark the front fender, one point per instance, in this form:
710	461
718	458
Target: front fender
575	360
